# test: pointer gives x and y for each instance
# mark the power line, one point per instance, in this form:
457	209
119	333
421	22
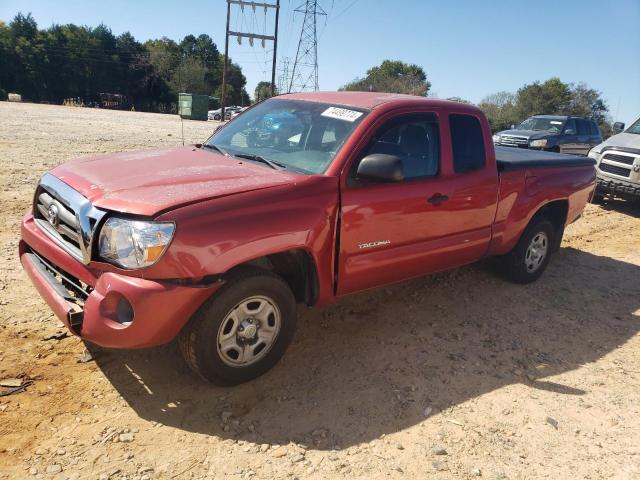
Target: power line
251	35
345	10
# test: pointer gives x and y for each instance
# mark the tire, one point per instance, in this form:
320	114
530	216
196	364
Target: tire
217	117
522	264
213	342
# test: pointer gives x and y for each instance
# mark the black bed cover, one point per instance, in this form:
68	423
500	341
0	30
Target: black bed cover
512	158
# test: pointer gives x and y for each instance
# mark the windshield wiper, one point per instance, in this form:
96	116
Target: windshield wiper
217	148
258	158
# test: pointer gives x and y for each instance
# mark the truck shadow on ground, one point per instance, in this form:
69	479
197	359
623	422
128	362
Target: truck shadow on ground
379	362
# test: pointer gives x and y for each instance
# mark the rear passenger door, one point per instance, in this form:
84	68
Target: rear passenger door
438	217
596	137
584	135
569	139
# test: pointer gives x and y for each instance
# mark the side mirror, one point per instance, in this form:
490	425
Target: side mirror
381	168
618	127
569	131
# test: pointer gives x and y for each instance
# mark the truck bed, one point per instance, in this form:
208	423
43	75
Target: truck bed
510	158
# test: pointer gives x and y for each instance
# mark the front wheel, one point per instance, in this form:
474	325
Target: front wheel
243	330
530	257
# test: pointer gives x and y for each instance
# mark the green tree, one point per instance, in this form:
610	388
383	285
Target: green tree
393	76
262	91
549	97
66	61
500	110
7	61
27	54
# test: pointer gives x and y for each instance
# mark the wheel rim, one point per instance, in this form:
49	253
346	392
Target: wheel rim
536	252
248	331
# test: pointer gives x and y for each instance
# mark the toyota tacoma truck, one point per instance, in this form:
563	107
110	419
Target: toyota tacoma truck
304	198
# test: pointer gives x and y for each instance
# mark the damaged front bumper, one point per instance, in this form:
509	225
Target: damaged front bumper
108	309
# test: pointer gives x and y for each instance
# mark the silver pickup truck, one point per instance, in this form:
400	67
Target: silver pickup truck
618	165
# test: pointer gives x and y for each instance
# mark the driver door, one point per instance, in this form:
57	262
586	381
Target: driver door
434	219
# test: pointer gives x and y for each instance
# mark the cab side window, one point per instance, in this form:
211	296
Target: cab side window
467	142
414	139
570	127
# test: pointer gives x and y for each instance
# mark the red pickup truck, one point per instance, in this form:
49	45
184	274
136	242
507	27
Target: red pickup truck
303	198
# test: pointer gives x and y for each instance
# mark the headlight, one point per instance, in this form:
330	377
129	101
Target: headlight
496	139
538	143
594	154
134	243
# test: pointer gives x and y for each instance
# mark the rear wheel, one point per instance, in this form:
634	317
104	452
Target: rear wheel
217	116
243	330
530	257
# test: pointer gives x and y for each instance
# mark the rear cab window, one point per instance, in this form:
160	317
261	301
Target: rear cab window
467	143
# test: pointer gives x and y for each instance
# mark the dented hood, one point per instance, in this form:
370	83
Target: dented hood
151	181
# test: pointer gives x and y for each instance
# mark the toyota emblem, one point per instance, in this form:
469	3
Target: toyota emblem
52	215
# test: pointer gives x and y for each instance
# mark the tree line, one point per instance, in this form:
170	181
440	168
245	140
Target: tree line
70	61
503	109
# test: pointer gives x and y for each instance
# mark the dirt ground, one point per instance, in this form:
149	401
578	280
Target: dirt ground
458	375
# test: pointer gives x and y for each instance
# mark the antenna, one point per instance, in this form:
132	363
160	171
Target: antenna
304	75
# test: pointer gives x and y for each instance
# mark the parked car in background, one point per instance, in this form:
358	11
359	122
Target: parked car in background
238	112
553	133
304	198
215	114
618	164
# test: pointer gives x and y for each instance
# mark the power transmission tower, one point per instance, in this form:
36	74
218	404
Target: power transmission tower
251	36
283	79
304	75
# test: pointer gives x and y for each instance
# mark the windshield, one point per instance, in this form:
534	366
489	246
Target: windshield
542	125
635	128
294	134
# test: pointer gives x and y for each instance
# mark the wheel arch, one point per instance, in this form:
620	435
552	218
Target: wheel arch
296	267
556	212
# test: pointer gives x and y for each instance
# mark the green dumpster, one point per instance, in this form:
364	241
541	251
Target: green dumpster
192	106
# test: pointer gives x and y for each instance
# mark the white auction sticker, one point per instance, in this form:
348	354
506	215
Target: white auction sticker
342	114
555	122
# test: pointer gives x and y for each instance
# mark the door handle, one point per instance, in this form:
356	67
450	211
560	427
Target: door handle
437	199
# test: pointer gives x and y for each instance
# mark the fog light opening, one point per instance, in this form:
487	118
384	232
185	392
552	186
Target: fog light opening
124	312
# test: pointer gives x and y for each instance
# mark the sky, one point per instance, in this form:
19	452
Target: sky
468	48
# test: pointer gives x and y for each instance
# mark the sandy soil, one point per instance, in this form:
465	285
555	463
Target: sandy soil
458	375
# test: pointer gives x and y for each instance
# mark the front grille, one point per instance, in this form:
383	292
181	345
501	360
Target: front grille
66	216
514	141
614	169
614	157
58	219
